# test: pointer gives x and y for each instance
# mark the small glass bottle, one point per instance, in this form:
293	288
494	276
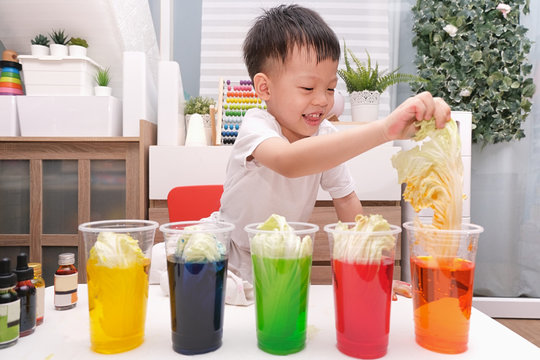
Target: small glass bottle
65	282
27	294
39	283
10	306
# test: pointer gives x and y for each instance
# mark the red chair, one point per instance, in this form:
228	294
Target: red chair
193	202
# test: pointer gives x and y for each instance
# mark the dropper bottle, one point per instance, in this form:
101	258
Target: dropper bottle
27	294
10	306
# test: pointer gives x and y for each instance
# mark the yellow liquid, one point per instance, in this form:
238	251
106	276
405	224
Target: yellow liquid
117	300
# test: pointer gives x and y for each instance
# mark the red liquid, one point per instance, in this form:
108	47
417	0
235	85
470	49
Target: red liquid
442	297
362	294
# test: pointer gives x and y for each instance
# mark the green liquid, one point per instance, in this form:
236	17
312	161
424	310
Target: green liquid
281	294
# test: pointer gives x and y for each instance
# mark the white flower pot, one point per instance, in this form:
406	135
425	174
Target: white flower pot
207	122
59	50
39	50
102	91
364	105
77	51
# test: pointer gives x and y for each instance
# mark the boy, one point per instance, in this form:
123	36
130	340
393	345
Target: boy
282	155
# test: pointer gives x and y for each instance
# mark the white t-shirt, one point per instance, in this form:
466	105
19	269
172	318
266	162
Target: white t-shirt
253	192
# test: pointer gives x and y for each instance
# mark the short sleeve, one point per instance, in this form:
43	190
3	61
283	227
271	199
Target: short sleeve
338	181
257	126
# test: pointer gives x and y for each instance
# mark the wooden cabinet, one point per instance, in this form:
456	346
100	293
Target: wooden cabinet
67	180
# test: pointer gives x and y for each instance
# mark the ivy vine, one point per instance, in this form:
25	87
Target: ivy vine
474	55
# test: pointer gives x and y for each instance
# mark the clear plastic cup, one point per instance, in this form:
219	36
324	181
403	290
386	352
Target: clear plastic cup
281	286
197	279
442	274
362	282
117	271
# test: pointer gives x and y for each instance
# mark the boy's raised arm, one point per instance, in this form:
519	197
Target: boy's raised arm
319	153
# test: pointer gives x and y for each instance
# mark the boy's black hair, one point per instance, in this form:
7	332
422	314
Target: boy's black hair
280	29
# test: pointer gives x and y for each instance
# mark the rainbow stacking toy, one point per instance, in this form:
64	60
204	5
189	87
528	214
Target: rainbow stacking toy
10	74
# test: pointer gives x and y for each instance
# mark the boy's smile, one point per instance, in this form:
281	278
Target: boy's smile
300	92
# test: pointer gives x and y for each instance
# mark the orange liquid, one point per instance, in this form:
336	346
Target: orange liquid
442	297
117	300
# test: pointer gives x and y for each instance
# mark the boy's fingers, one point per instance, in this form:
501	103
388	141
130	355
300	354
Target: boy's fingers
429	104
442	112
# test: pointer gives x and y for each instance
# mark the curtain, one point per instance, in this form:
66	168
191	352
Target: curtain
506	200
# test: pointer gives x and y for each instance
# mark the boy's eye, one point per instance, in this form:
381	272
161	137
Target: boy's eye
307	88
331	90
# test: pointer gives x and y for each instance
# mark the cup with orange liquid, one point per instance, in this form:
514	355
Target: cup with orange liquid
362	275
442	274
118	254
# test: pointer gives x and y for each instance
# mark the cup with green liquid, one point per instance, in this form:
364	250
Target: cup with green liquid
281	277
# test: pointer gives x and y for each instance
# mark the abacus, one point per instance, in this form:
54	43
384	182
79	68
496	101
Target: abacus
233	103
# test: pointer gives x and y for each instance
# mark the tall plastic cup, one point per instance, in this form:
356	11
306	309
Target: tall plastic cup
118	254
197	257
442	274
281	284
362	275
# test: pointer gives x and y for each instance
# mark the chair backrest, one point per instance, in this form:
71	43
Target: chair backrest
193	202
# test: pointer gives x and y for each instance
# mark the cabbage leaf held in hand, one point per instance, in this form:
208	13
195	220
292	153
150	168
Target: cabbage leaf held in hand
433	173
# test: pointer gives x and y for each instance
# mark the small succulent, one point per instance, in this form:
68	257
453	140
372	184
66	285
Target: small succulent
198	105
103	77
58	37
40	40
78	41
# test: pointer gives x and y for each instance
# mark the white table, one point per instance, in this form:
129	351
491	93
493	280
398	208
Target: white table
65	334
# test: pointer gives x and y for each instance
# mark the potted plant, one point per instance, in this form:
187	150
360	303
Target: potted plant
77	47
103	79
40	45
59	48
198	105
365	84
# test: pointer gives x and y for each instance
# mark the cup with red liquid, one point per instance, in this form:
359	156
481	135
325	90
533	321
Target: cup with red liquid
442	274
362	274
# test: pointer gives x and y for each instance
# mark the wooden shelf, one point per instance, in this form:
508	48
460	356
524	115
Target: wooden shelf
132	150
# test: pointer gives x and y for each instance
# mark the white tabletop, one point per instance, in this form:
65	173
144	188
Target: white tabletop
65	334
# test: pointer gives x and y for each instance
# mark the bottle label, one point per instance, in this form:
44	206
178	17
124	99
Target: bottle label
65	289
10	315
40	302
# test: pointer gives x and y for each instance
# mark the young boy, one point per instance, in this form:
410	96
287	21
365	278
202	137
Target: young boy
282	155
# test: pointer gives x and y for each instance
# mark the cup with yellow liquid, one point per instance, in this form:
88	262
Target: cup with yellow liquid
118	254
442	274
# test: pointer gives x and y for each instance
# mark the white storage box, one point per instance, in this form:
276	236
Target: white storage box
9	121
52	75
87	116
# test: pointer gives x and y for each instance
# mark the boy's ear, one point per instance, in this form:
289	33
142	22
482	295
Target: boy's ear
261	85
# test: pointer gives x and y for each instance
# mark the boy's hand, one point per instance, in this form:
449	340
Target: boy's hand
400	123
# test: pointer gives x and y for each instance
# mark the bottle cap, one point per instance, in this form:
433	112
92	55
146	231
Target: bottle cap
66	259
23	271
36	267
7	278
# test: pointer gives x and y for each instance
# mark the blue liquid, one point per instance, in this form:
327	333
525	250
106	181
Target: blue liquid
197	299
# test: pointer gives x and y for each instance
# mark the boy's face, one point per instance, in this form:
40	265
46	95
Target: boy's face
301	93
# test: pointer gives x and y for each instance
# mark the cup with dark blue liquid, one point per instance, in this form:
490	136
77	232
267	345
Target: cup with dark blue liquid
197	255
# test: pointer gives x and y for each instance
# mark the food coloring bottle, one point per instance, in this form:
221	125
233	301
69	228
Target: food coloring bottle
10	306
65	282
39	283
27	294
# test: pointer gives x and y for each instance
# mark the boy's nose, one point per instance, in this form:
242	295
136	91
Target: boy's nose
322	99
